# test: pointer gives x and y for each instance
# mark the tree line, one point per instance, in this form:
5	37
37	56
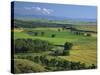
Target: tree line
37	45
31	24
29	45
58	64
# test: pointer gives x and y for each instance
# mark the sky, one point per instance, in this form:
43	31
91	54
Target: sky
59	10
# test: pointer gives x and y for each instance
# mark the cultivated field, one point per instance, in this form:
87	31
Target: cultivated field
84	48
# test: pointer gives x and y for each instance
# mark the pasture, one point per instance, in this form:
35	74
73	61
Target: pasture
84	48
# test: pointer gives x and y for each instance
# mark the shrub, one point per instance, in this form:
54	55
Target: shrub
35	33
59	30
42	33
53	35
26	66
88	34
50	63
67	46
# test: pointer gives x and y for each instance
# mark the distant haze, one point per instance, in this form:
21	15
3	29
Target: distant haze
54	11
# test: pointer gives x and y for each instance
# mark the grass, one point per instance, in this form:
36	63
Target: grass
87	56
27	66
60	37
87	27
83	50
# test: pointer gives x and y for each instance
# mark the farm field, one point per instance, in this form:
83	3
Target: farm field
83	50
48	37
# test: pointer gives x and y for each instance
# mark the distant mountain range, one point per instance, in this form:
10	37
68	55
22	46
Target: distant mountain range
30	17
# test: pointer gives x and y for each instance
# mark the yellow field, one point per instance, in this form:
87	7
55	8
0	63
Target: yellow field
87	56
18	29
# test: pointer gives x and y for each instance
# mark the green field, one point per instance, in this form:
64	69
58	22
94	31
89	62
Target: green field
84	48
53	37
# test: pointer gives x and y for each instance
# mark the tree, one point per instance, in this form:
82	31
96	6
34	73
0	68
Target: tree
37	59
67	46
88	34
76	33
42	33
53	35
35	33
64	27
59	30
20	46
92	66
29	45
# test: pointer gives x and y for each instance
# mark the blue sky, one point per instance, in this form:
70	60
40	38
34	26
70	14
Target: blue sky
60	10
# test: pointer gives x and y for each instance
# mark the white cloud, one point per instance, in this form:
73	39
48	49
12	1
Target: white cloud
45	11
27	8
40	10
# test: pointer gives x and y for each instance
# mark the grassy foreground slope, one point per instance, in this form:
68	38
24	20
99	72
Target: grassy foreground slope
27	66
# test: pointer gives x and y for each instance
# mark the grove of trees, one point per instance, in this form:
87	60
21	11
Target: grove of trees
29	45
43	63
52	64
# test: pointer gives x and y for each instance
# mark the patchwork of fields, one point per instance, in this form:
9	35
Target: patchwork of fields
53	37
84	48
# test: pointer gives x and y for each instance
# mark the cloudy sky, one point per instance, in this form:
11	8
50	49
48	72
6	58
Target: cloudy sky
60	10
